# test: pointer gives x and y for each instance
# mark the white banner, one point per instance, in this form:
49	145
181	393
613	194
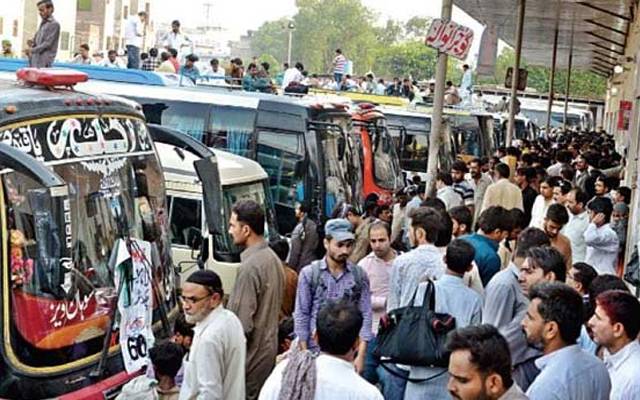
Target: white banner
135	304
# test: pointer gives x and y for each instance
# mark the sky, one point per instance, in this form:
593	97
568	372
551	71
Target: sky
240	16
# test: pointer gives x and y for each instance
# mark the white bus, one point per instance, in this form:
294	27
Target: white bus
240	178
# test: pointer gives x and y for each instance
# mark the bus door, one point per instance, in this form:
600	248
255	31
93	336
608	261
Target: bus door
283	156
339	167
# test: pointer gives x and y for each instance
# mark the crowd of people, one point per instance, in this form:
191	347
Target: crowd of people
175	53
522	251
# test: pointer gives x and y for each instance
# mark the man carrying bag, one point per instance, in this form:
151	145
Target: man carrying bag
415	335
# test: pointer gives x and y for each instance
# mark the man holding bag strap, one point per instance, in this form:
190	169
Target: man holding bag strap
452	297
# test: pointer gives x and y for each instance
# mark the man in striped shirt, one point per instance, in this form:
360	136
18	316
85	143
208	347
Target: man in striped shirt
461	186
339	65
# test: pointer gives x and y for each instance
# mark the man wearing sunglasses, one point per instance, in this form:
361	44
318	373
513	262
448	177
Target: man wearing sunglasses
215	366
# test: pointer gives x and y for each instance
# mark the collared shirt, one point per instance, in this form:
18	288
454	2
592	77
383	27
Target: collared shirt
504	299
570	373
479	190
133	31
624	371
291	75
192	73
379	273
335	379
339	64
464	189
453	297
45	44
304	242
514	393
310	299
180	42
574	231
256	299
486	257
215	365
449	197
539	211
151	64
602	248
409	269
503	193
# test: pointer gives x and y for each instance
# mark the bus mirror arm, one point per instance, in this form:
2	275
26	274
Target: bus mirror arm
208	173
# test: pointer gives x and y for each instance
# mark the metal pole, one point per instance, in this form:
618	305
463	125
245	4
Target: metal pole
438	103
289	48
568	86
522	4
552	80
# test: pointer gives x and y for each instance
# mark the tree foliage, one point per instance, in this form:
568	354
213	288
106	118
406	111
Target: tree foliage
394	48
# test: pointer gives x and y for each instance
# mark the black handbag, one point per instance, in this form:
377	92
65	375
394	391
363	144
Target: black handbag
415	335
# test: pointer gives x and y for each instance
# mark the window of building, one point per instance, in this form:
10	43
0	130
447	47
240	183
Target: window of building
64	41
84	5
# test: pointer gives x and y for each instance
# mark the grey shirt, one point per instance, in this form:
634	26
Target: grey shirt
45	44
503	298
304	242
256	300
570	373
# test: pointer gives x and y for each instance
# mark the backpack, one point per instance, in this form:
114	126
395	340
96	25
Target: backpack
358	277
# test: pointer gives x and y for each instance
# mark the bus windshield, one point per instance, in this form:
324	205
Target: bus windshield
466	133
62	264
385	164
256	191
411	139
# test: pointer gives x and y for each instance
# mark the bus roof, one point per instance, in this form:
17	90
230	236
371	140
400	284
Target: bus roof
37	101
135	76
234	169
192	95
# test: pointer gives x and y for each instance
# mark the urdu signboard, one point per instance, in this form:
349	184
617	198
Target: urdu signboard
450	38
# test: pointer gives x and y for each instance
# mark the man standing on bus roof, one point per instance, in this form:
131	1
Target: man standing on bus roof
133	38
257	295
44	46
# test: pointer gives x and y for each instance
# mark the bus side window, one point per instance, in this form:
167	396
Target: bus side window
185	223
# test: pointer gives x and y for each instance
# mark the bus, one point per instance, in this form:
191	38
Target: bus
240	179
381	170
525	129
79	175
304	148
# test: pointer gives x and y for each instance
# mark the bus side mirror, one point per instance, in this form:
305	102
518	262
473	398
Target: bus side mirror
342	147
300	168
208	172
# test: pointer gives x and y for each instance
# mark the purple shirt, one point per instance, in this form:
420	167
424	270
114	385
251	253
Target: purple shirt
329	288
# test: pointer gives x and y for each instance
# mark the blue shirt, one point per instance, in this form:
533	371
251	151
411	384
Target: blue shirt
310	299
486	257
465	305
570	373
409	269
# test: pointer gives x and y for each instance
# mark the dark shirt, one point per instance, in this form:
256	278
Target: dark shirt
529	195
45	44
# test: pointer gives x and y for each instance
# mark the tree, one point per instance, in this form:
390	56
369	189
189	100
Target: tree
326	25
272	38
417	27
406	59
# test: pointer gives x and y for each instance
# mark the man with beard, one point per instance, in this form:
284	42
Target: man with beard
553	322
331	279
480	365
257	295
479	182
578	222
556	218
214	368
